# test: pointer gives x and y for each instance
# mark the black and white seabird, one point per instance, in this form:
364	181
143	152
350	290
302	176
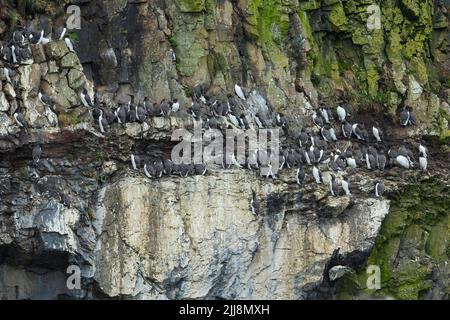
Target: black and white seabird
36	153
340	162
159	168
379	188
20	120
217	109
310	156
423	151
6	54
168	166
156	109
184	169
239	92
149	171
407	117
318	155
27	34
356	130
148	106
332	165
135	161
102	122
303	138
200	169
325	115
121	114
290	159
317	119
423	163
196	111
300	176
258	121
334	187
377	133
24	55
141	114
69	44
7	74
109	116
86	99
282	121
175	106
45	99
412	118
326	135
61	32
197	92
255	204
299	157
14	55
317	175
351	162
132	113
404	118
346	186
42	39
18	38
165	108
333	134
370	161
342	114
381	161
244	122
403	161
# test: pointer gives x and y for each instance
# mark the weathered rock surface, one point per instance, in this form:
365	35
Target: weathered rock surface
196	237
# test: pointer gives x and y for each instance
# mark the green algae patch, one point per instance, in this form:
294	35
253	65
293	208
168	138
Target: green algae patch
412	243
191	5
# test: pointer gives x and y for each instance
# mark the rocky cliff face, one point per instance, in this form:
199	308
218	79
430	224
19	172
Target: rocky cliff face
196	237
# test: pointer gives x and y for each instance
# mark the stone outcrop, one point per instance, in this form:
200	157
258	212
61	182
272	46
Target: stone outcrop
196	237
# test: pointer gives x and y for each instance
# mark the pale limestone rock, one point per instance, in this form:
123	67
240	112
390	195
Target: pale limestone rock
109	167
55	50
9	91
4	104
415	89
38	53
136	129
75	79
53	67
179	233
24	78
5	123
70	61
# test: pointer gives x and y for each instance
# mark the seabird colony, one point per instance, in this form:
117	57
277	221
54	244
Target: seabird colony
315	148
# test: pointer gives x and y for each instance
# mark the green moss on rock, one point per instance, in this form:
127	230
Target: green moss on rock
414	239
337	17
191	5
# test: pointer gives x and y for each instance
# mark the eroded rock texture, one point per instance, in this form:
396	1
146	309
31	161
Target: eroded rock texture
195	237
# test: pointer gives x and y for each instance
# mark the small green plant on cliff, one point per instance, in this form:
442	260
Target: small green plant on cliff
99	156
73	36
